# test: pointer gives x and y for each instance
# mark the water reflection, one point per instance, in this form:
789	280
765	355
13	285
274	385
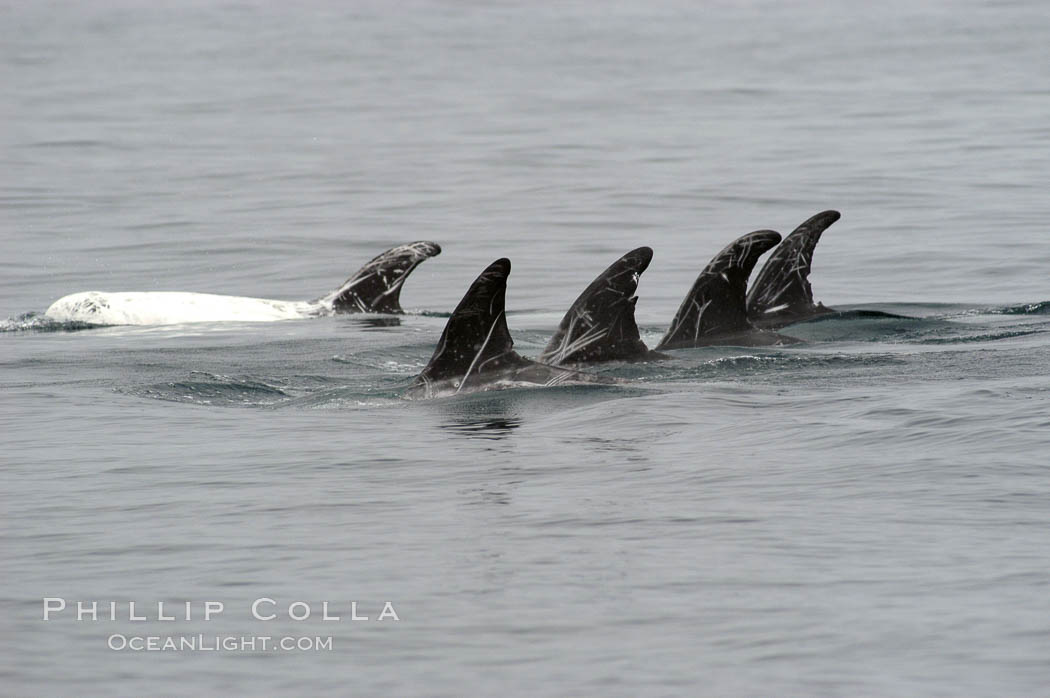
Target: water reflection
483	428
492	416
369	322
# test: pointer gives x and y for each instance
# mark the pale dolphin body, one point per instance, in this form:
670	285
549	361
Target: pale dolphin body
374	288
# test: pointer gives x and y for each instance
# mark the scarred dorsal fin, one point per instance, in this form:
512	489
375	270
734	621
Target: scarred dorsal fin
476	338
782	287
600	325
376	287
716	303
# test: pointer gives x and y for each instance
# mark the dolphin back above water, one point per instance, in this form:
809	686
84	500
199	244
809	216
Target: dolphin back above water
715	309
476	351
600	325
781	294
374	288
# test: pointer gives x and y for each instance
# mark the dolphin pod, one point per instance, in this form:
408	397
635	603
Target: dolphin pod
718	310
476	351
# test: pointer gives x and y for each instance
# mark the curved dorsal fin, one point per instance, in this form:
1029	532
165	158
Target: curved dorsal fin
600	325
476	338
783	284
717	302
376	287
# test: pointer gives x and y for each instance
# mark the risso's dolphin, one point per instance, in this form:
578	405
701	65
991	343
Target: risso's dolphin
374	288
781	294
600	325
715	309
476	351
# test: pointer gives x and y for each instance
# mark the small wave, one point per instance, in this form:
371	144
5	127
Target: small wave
984	337
390	363
1027	309
858	315
214	390
344	398
35	322
74	144
873	326
301	391
697	364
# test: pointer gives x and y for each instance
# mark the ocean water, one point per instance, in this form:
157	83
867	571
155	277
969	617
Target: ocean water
865	513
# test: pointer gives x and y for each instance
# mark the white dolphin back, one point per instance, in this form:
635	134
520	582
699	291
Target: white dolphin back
175	307
374	288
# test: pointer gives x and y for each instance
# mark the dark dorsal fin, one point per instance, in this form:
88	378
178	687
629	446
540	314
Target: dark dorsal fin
476	338
376	287
783	284
600	325
717	302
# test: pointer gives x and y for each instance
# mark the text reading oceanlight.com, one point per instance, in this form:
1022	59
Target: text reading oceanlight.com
218	643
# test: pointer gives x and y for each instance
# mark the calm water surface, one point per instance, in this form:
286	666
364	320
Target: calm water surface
862	514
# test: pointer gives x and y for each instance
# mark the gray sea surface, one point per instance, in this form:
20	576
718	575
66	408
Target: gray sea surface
863	514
